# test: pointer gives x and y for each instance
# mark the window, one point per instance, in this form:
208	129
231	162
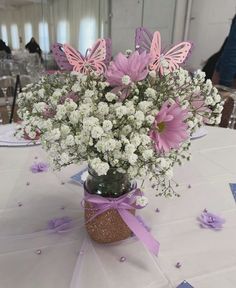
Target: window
4	33
63	32
28	32
44	36
87	35
15	37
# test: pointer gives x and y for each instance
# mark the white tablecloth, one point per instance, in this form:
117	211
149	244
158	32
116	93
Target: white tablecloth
28	201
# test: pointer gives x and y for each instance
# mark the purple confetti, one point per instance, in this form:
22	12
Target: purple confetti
60	224
39	167
210	220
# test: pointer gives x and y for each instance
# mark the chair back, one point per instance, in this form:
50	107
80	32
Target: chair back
25	80
3	54
228	118
7	81
227	112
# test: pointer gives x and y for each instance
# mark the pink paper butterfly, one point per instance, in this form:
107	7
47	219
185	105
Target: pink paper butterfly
169	61
60	57
95	58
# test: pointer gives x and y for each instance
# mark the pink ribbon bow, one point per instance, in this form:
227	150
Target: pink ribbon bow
123	204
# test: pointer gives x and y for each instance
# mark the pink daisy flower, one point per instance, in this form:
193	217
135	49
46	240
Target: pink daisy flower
125	70
169	130
201	108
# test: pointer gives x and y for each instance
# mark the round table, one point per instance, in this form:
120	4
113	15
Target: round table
32	257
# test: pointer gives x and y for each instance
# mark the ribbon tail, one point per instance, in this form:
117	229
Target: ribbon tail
146	237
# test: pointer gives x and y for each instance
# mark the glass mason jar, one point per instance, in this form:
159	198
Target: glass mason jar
107	227
112	185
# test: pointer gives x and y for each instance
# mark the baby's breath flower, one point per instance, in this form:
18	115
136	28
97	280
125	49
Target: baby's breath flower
82	118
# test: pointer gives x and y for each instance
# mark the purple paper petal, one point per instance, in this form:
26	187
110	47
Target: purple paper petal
60	224
39	167
210	220
143	39
60	57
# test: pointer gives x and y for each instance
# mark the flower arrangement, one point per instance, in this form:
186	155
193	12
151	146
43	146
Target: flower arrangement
129	118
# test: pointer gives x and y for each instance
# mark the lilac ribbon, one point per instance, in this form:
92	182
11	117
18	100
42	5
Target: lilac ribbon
123	204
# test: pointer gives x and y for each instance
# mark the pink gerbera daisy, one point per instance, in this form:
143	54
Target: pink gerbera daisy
132	69
169	130
201	108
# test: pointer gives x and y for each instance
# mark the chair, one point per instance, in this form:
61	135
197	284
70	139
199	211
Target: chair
25	80
228	119
7	84
17	90
3	54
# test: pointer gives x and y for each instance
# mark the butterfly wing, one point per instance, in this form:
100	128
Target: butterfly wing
97	56
60	57
177	54
143	39
170	60
155	51
108	51
75	58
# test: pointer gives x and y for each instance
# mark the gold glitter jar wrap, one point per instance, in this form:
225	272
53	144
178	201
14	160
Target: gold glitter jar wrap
107	227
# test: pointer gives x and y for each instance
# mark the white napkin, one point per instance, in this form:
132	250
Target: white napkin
7	137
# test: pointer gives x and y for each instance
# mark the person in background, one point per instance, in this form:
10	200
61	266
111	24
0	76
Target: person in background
225	69
210	64
4	47
33	47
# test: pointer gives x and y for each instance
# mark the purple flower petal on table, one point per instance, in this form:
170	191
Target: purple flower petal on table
60	224
39	167
210	220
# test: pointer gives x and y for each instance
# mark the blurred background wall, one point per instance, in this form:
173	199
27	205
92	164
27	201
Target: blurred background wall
81	22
